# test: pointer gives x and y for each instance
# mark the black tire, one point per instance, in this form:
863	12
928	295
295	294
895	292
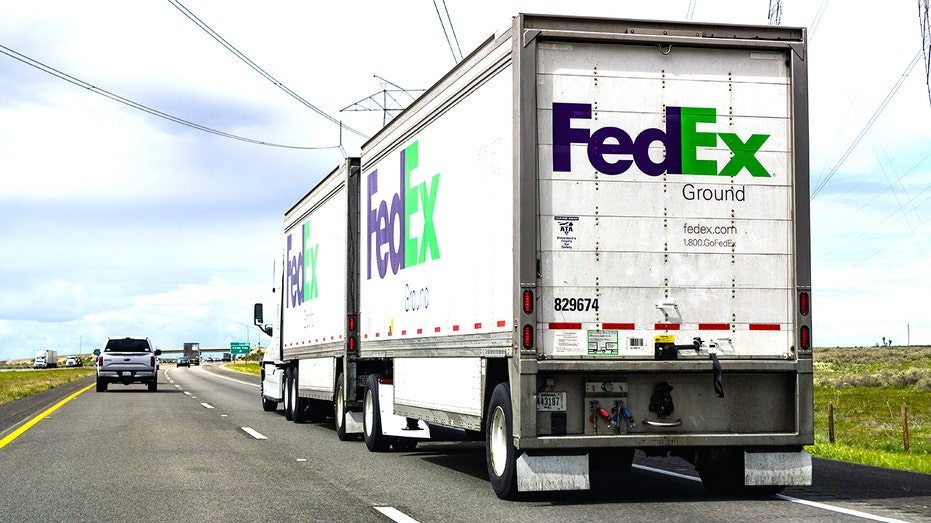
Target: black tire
371	417
287	394
101	385
153	385
298	404
339	410
500	454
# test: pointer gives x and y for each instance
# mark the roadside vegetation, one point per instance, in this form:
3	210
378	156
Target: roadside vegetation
248	367
19	384
866	389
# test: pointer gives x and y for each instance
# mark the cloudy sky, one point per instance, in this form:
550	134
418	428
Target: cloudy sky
115	221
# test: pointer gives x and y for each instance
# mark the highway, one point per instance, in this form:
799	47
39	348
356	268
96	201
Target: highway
202	449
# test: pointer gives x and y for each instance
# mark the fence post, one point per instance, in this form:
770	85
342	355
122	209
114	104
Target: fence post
831	422
905	426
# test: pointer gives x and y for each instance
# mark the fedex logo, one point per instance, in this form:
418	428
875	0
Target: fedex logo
385	248
612	150
301	265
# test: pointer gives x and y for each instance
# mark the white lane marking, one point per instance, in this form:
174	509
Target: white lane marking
177	386
841	510
814	504
396	515
215	375
187	392
207	405
666	472
252	432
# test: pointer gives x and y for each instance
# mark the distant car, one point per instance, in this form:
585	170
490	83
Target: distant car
183	361
74	362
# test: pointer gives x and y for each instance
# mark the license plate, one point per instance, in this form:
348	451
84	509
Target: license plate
551	402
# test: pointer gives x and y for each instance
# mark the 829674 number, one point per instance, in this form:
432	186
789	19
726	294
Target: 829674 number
575	304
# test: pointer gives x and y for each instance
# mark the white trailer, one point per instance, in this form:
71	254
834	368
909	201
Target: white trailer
45	359
590	237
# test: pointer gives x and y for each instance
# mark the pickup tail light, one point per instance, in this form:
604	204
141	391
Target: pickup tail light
100	360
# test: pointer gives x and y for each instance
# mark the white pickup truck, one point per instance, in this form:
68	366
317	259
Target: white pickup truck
127	360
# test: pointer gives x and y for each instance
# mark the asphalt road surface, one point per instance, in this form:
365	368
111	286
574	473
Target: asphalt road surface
202	449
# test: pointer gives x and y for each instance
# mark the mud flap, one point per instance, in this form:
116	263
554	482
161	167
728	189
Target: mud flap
777	468
394	425
544	473
354	422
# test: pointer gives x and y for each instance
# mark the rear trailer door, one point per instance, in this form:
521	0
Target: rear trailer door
665	183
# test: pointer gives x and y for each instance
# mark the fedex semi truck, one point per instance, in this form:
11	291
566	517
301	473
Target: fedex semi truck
591	236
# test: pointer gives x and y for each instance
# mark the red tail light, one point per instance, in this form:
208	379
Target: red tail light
803	304
528	301
152	364
804	337
351	333
100	360
527	337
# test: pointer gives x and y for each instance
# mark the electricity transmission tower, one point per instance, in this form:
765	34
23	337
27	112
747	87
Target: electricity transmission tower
389	100
775	12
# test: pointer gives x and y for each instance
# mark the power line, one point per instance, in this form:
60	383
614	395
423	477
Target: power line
456	57
923	20
258	69
866	127
818	16
135	105
913	205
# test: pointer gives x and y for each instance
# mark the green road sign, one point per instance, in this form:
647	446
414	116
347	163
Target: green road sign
239	347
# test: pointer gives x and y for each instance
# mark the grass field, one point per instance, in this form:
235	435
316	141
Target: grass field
19	384
867	388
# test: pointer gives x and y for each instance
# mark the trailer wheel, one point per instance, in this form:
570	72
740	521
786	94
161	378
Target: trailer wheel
371	417
101	385
298	404
500	454
287	394
339	406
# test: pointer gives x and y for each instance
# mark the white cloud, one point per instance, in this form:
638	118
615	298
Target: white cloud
116	222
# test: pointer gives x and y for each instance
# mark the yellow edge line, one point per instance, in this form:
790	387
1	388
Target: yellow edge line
15	434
